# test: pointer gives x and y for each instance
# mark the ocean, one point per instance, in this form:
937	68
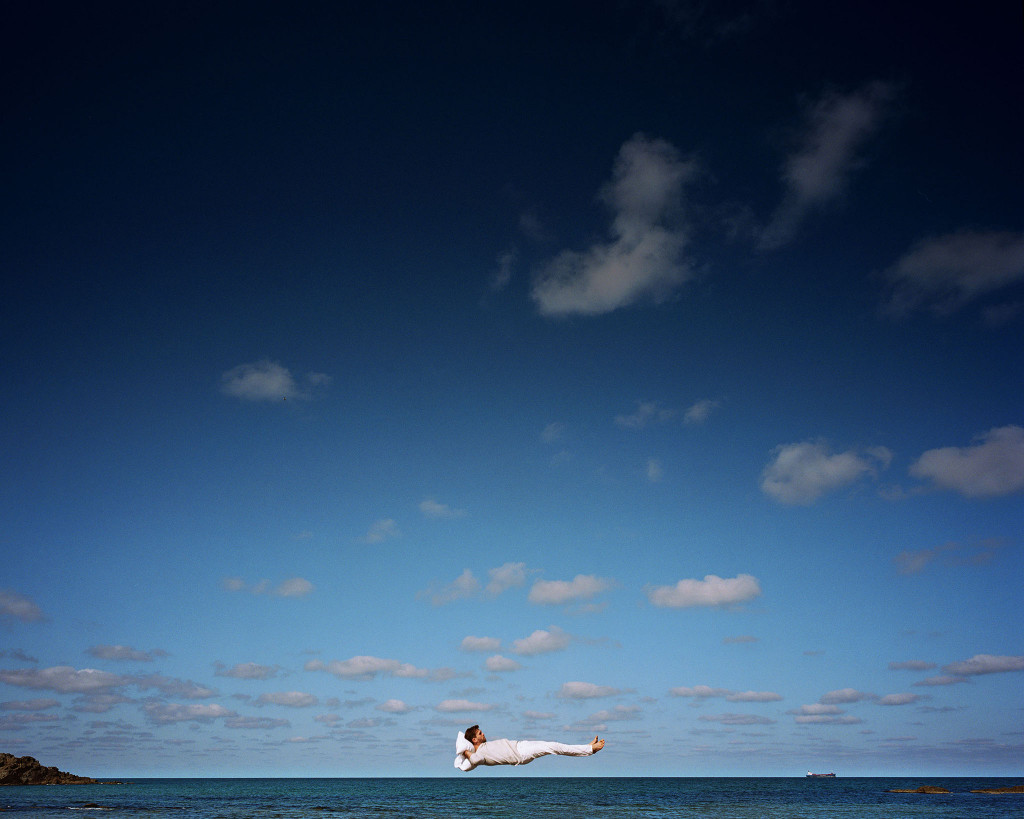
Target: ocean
518	798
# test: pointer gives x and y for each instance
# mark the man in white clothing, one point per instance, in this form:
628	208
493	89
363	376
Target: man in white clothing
478	751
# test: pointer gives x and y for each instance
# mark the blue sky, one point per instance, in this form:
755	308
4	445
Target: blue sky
640	369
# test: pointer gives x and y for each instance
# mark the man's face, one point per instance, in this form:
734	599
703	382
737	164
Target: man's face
479	739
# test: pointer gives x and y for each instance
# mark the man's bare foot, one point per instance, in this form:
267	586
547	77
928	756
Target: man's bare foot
597	744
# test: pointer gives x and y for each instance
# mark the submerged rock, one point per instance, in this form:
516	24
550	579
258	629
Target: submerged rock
922	789
27	770
1013	789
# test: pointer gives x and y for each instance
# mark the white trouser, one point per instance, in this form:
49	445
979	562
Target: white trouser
529	750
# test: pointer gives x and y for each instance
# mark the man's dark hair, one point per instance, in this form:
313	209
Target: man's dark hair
472	731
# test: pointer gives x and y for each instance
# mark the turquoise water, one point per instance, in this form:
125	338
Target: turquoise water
519	798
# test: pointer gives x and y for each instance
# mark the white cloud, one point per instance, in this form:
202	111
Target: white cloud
711	591
699	691
845	695
394	707
801	473
655	471
38	704
942	679
616	714
506	576
707	692
462	706
255	723
585	691
292	587
173	687
817	708
754	696
557	592
699	412
991	467
384	529
899	699
816	173
104	652
644	258
737	719
553	432
292	699
647	412
498	663
367	668
826	719
541	642
19	607
471	643
247	671
163	714
432	509
986	664
267	380
65	680
911	665
944	273
465	585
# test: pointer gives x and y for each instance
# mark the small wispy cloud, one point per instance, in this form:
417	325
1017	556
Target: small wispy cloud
432	509
166	714
990	467
127	653
711	591
292	587
467	585
266	380
942	274
700	412
457	706
703	692
645	414
586	691
949	554
247	671
498	663
828	150
18	607
643	258
986	664
559	592
289	699
542	641
367	668
381	530
801	473
654	470
504	577
482	644
911	665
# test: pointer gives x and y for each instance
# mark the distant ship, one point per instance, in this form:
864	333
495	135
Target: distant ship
819	776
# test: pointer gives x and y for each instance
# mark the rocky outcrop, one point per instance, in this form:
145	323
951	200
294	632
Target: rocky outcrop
1013	789
923	789
26	770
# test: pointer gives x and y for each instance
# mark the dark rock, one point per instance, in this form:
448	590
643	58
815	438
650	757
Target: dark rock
923	789
26	770
1013	789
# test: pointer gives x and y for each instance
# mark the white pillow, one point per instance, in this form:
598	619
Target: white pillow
463	744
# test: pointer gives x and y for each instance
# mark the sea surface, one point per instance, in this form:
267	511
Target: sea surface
518	798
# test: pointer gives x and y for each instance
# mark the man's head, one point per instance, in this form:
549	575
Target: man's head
475	735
